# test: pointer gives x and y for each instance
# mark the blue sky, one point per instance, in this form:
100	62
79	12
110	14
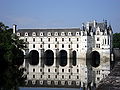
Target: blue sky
59	13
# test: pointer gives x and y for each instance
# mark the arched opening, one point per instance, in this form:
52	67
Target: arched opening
34	57
95	59
74	55
63	58
49	57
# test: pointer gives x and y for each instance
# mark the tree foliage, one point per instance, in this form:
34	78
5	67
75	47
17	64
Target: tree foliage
116	40
11	58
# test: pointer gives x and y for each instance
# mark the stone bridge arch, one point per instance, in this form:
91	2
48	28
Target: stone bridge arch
94	58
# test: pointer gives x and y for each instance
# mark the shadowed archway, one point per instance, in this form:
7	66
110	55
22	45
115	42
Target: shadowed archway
34	57
63	58
49	57
95	59
74	55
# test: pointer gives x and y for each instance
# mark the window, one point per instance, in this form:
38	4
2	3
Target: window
77	33
49	34
55	70
62	39
97	39
25	39
40	46
56	33
18	34
33	45
33	70
41	39
62	34
77	70
97	45
69	39
26	34
55	76
69	46
62	70
105	41
77	39
62	45
48	45
68	70
55	46
33	39
56	39
41	76
62	76
49	39
69	77
77	46
40	70
33	34
41	33
48	70
69	33
77	77
97	32
98	79
33	76
48	76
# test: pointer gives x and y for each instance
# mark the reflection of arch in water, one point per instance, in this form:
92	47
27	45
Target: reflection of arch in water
95	59
34	57
74	55
63	58
49	57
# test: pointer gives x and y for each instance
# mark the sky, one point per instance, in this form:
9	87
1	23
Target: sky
59	13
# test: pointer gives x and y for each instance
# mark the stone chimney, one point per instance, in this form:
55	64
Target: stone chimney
14	28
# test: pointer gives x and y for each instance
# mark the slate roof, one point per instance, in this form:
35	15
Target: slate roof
45	31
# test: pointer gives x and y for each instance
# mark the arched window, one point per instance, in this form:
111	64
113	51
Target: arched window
18	34
63	58
34	57
26	34
33	34
74	58
49	33
49	57
95	59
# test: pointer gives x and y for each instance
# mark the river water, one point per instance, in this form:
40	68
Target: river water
49	89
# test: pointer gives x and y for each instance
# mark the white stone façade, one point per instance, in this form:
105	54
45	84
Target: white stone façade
68	57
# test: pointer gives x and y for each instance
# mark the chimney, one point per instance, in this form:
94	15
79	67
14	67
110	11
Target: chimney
94	23
14	28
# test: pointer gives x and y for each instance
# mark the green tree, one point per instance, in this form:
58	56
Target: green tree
116	40
11	58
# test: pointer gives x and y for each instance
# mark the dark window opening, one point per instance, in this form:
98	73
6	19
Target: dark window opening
33	45
33	39
62	45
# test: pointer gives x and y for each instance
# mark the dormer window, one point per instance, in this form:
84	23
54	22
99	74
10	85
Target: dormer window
18	34
77	33
56	33
98	33
49	33
41	33
62	33
26	34
33	34
69	33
